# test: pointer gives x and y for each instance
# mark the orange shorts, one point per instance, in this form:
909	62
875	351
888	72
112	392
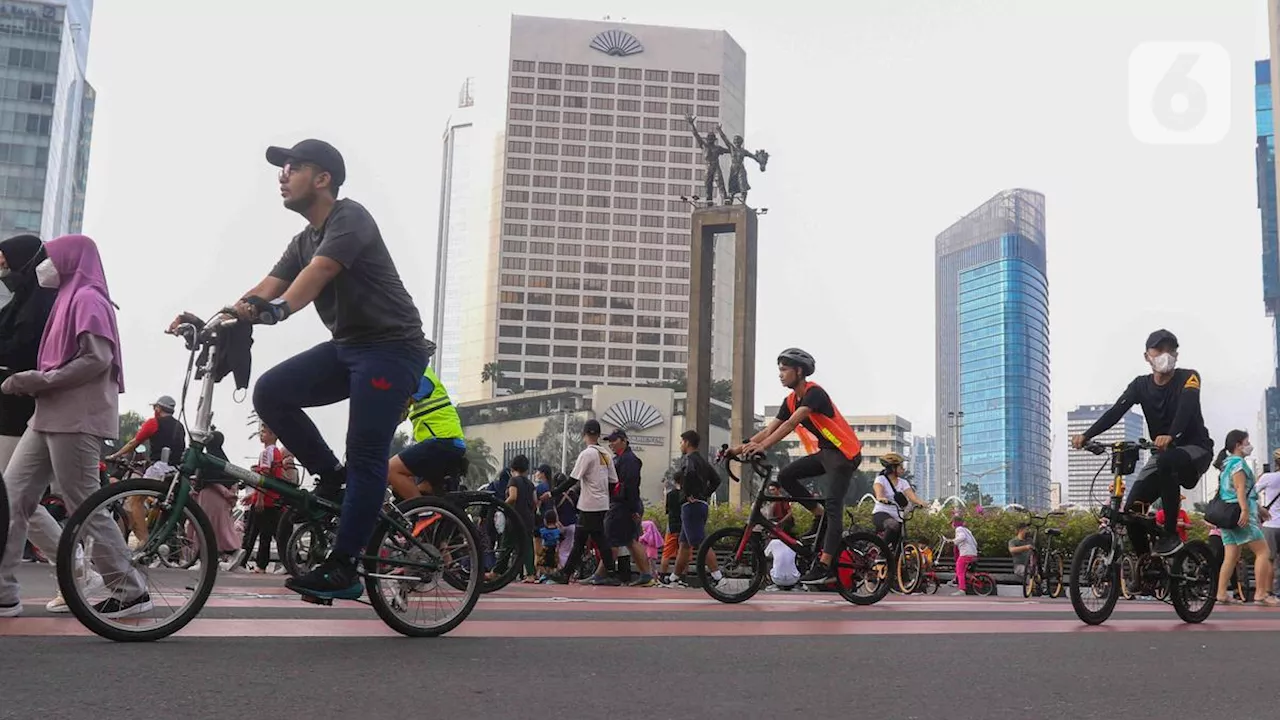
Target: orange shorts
670	544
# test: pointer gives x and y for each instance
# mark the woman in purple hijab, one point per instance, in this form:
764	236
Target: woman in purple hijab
76	386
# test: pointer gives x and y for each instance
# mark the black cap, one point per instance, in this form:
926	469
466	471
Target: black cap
1161	336
618	434
317	152
591	427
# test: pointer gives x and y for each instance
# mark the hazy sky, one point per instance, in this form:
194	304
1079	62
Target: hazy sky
886	120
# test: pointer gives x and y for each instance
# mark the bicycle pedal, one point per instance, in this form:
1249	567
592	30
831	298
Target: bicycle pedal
317	600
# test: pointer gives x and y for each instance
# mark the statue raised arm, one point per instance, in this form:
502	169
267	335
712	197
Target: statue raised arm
738	185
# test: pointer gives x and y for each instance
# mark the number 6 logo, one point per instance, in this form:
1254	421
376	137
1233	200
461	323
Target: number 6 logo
1179	93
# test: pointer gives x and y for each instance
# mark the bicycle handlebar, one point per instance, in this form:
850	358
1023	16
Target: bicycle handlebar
1098	448
757	463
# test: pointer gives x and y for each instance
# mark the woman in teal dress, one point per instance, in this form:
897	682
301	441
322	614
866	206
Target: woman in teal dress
1235	485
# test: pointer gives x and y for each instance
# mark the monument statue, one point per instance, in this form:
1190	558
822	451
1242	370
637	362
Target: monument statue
711	152
738	184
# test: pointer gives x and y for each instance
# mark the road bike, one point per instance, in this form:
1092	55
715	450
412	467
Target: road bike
1187	577
415	567
861	566
1045	565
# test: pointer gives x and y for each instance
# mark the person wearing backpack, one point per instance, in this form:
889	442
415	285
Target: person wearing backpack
698	482
595	472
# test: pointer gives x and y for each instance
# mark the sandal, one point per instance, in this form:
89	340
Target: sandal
1226	601
1270	601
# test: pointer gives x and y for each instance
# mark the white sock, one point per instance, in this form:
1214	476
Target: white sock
716	575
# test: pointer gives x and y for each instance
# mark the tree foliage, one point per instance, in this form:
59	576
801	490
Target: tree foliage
482	465
401	441
550	441
129	423
970	493
721	390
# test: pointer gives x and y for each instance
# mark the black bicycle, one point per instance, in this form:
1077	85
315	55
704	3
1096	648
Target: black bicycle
1045	566
1187	577
862	567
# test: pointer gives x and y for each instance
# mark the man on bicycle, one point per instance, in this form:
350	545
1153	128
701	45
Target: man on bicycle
834	450
1170	400
439	451
375	359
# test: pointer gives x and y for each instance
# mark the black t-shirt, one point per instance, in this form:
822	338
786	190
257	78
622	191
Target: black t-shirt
366	302
524	503
1171	409
818	401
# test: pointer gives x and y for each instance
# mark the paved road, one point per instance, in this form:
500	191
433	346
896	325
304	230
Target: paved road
546	651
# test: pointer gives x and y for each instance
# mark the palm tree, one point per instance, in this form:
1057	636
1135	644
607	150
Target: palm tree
492	373
401	441
482	466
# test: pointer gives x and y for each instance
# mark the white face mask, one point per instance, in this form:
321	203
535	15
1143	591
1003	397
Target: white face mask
1246	450
47	275
1164	363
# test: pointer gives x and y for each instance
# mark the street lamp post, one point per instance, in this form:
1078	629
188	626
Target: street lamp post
984	473
956	424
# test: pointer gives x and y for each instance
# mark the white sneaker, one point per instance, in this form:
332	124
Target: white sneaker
10	611
134	542
58	604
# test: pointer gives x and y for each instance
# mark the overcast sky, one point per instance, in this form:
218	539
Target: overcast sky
886	121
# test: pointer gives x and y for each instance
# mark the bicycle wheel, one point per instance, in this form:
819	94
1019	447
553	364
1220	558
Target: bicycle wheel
741	575
306	547
1130	583
981	583
137	602
862	568
503	537
910	568
1031	583
1192	582
1095	576
443	546
1053	575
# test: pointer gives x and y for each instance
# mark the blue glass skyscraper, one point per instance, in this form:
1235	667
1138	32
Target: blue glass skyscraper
1265	158
993	352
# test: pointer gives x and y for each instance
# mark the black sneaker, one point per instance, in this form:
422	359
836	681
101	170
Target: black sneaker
557	578
1168	545
819	574
114	608
334	579
330	485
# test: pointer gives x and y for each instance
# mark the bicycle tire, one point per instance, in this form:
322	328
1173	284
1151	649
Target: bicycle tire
1031	582
1099	542
471	590
1202	586
863	558
510	558
910	568
285	531
1054	579
66	564
752	558
1128	576
291	553
982	584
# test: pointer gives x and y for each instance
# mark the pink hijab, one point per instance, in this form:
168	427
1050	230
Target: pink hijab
83	305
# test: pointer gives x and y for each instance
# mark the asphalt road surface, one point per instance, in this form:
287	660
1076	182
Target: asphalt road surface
549	652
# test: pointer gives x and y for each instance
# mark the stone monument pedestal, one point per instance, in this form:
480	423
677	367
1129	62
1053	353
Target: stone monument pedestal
708	222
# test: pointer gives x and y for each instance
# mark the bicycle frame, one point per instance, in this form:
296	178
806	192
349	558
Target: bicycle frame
757	518
197	459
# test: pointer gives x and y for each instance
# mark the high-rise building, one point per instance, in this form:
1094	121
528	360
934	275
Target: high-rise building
880	435
1265	161
586	278
46	114
993	351
1082	467
924	465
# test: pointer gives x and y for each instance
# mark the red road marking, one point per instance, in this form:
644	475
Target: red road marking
17	627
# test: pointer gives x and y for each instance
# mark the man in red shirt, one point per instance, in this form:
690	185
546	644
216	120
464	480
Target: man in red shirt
1184	520
161	431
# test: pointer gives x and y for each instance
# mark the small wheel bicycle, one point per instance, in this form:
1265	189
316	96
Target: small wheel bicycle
862	567
1186	579
1045	566
420	554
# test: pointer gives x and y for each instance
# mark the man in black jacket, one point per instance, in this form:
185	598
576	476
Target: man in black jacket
626	509
1170	400
698	482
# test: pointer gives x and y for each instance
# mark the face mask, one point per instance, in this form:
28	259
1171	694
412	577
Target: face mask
47	274
1163	363
1247	450
4	272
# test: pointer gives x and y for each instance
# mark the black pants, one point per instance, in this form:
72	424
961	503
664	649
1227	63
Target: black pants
250	535
1218	551
839	471
268	520
1162	477
590	527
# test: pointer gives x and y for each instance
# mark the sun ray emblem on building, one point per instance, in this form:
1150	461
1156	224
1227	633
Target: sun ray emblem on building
618	43
632	415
